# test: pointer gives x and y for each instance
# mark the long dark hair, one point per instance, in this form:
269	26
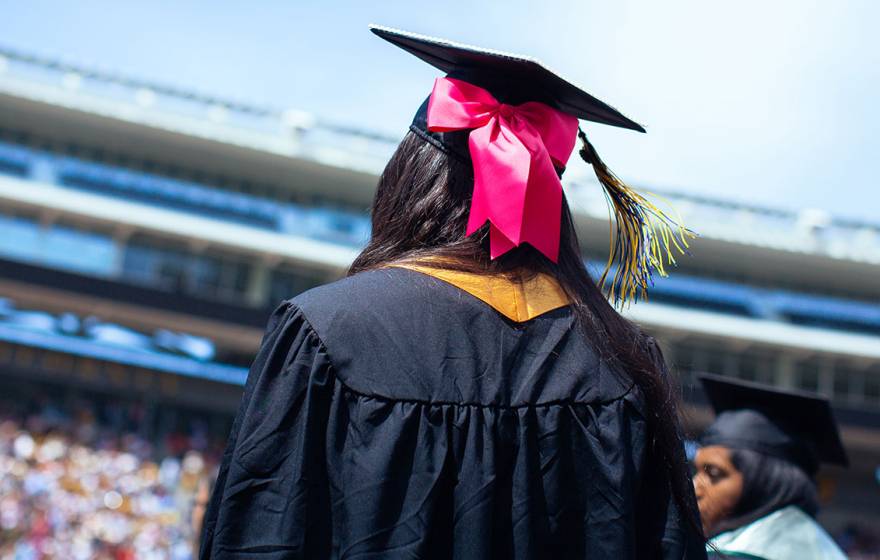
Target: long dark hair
769	484
420	212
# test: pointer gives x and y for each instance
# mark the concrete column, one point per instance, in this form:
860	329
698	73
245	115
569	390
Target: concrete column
784	376
121	235
826	376
258	284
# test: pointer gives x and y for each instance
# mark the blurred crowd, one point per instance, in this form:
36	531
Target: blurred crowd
78	480
72	487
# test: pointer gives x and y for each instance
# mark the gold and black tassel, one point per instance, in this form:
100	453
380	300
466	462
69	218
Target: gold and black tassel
643	238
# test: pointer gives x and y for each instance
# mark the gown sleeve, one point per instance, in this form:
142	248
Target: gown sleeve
271	497
661	520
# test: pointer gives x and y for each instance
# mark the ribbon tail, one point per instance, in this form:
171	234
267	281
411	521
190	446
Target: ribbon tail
501	171
498	242
542	219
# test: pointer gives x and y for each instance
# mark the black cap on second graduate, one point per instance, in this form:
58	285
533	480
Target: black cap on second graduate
511	78
792	425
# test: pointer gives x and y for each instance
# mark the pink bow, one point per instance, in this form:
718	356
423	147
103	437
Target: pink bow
513	149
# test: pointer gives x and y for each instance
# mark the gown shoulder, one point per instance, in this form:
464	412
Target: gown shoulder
402	334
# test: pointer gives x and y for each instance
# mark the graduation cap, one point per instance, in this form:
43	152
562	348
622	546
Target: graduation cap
645	237
792	425
511	78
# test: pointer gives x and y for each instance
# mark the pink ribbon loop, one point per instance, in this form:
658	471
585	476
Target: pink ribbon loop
514	149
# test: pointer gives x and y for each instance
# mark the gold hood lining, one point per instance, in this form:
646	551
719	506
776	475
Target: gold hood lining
519	301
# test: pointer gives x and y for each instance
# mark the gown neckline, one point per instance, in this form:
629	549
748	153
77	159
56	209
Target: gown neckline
518	300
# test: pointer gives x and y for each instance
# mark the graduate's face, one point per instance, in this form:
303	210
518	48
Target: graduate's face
718	485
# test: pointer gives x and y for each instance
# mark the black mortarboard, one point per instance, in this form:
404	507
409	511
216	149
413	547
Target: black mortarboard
511	78
793	425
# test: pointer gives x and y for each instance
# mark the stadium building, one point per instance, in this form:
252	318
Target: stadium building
147	232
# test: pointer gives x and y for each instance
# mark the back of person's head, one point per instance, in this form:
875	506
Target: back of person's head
421	212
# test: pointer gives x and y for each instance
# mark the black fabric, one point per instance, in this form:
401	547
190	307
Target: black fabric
510	78
454	143
792	425
391	415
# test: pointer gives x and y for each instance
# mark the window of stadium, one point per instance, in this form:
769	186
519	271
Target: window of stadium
61	245
848	383
287	281
807	375
872	386
166	266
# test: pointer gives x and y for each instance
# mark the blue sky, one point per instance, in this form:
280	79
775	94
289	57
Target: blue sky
773	102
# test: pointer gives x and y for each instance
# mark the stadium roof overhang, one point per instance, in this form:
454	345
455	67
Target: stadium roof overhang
189	144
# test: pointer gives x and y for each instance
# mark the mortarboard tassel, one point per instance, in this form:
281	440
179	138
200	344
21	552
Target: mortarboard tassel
645	239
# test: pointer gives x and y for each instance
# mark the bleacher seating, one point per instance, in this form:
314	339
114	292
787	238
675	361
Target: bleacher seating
327	224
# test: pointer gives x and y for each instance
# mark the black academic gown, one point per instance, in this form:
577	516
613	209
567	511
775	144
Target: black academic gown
391	415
